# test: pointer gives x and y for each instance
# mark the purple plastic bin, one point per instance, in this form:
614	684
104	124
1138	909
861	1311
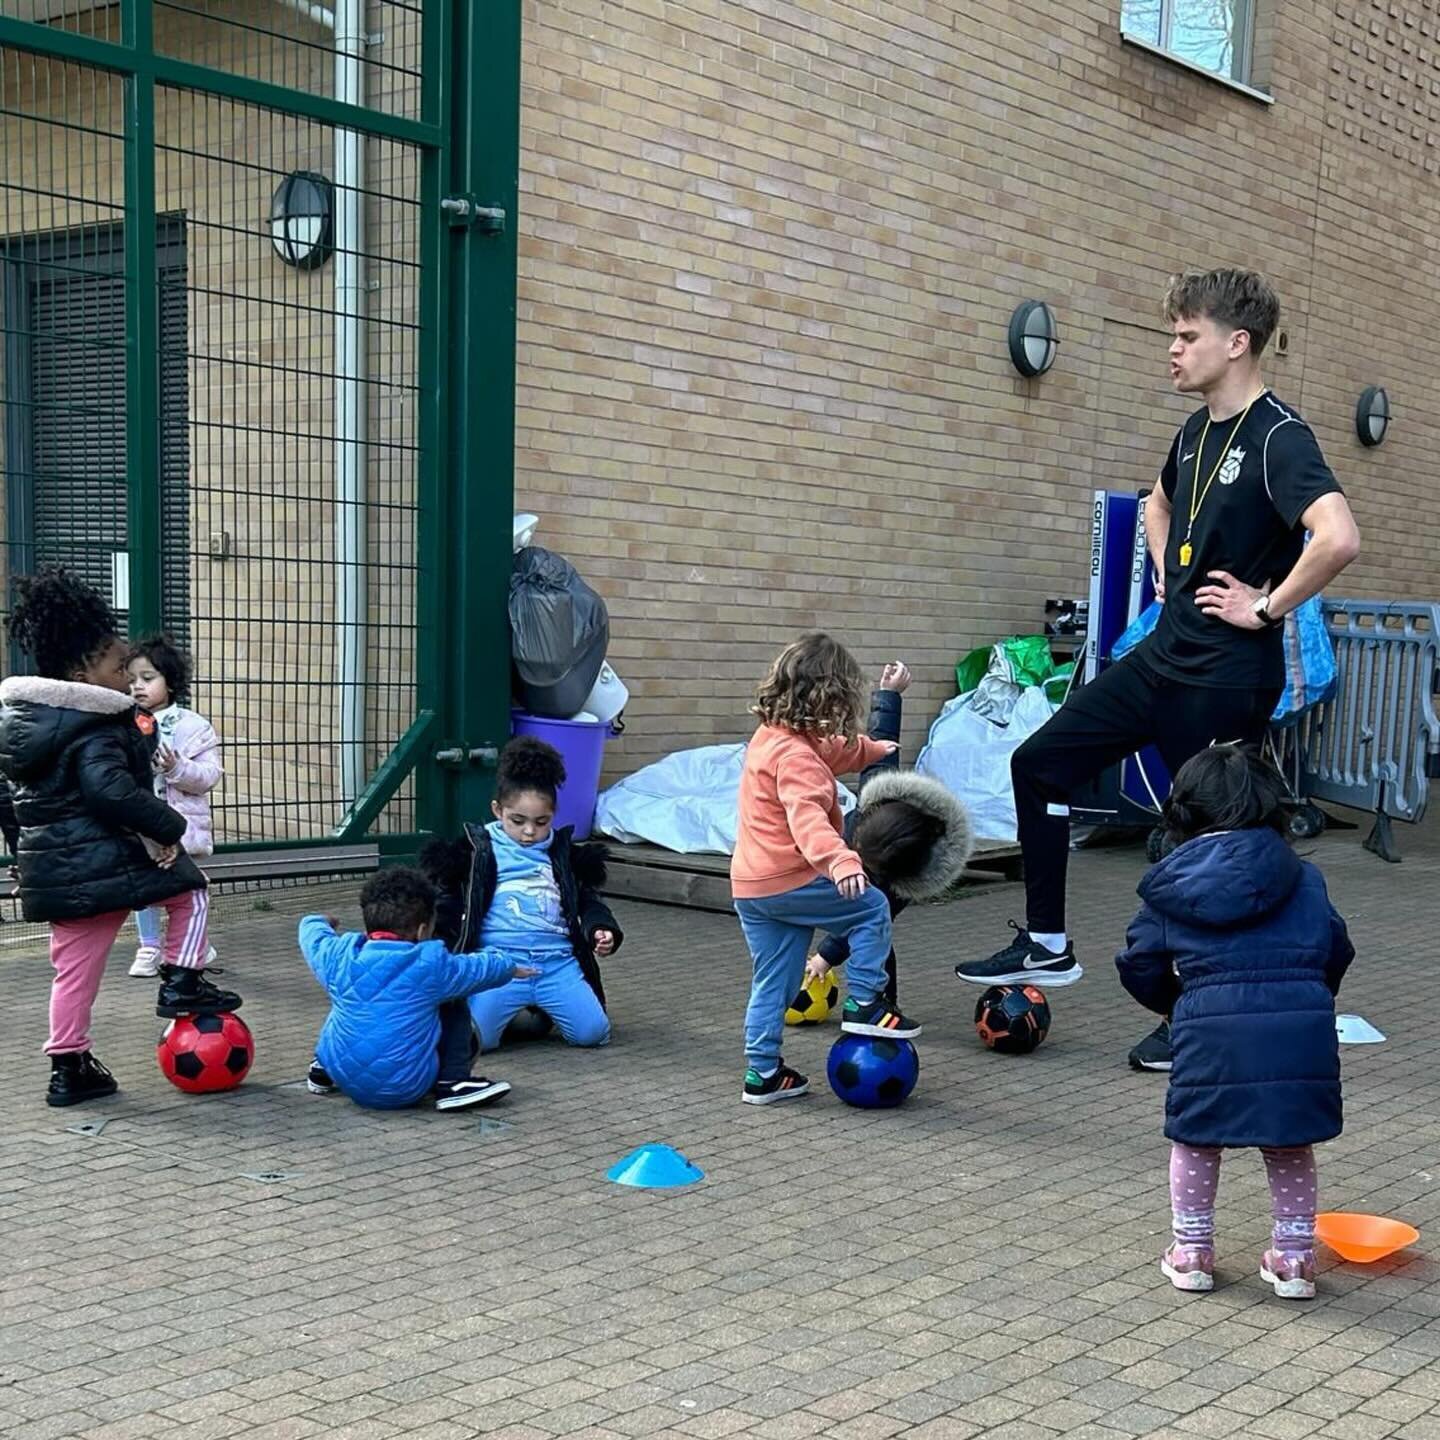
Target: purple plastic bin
581	744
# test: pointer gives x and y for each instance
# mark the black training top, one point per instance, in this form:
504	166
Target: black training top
1267	471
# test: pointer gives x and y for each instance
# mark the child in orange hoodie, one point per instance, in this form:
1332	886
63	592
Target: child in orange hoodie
792	872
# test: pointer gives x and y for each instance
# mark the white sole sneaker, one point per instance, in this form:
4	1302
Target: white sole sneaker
476	1095
1045	979
146	965
879	1032
1289	1289
775	1096
1193	1280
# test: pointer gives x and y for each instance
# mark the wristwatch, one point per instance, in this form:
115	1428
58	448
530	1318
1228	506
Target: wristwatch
1262	612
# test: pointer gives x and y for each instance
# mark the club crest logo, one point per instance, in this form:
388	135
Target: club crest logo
1230	470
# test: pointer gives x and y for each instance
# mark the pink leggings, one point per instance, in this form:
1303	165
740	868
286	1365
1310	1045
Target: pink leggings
80	948
1195	1176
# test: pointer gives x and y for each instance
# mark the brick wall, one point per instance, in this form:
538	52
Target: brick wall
769	253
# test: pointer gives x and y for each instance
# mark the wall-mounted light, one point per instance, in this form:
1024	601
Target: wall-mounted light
1372	415
1033	338
302	220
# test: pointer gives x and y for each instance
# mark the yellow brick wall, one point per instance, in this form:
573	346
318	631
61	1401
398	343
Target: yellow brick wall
768	257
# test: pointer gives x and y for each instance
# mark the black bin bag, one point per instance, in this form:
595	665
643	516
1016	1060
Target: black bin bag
559	632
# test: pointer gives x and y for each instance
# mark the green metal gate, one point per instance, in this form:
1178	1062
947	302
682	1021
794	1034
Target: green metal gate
257	383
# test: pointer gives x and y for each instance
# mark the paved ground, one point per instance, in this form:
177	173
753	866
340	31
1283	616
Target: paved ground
982	1261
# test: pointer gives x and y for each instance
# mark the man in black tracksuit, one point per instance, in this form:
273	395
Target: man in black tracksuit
1243	483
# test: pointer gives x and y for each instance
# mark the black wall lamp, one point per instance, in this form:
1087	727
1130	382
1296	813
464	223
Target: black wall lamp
1034	338
1372	415
302	220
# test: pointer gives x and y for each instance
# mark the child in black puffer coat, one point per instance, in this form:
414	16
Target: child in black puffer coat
1238	942
528	890
94	842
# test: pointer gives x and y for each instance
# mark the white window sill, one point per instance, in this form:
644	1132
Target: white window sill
1195	69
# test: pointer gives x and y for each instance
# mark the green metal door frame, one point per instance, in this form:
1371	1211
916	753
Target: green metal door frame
467	137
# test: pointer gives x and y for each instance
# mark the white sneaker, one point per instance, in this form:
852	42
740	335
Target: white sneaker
147	962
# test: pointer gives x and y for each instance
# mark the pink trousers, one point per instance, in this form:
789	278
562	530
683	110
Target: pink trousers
80	948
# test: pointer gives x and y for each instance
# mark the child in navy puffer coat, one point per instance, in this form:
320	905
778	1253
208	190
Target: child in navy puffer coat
1239	943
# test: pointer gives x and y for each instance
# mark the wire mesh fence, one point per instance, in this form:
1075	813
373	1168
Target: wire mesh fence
288	274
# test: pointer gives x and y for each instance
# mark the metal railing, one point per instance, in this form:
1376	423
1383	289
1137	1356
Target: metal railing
1376	744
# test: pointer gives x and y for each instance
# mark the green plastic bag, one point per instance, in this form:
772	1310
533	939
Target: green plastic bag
1023	660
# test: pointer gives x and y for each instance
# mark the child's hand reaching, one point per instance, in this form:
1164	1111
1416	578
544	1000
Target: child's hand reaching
817	967
604	942
167	857
165	759
895	676
852	887
524	972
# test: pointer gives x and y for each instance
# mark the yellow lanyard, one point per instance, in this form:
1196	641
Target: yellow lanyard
1197	493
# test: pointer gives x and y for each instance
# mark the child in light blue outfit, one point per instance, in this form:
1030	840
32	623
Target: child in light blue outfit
528	891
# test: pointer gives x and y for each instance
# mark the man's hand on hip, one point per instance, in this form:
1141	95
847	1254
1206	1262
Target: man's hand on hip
1230	600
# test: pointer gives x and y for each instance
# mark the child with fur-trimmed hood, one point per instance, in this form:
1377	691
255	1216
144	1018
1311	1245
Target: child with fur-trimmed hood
912	835
521	886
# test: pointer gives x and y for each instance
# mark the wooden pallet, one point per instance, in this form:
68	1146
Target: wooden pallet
702	882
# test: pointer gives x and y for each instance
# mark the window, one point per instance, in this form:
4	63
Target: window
1213	35
62	402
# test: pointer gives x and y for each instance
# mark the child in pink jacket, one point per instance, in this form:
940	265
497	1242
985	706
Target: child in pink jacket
187	767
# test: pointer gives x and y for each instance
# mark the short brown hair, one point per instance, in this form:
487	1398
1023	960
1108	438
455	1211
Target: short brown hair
1242	299
814	686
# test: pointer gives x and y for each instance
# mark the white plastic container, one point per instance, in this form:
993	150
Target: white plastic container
608	698
525	527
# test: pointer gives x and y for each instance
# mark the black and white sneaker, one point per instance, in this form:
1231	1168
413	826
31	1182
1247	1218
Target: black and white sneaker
318	1081
464	1094
1023	962
1153	1052
784	1084
879	1018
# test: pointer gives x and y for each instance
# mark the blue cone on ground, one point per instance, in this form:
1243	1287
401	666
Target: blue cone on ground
654	1167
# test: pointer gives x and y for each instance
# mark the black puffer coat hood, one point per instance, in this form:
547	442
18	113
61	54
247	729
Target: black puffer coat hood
951	852
80	777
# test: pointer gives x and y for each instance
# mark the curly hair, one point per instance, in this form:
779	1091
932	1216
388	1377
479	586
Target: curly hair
526	765
399	900
171	662
814	686
60	622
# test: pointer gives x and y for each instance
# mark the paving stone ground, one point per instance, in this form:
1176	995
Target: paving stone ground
982	1261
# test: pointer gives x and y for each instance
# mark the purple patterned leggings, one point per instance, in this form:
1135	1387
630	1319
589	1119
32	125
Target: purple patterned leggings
1195	1176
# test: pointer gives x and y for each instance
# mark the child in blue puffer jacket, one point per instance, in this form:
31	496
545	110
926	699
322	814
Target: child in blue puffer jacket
1238	942
399	1025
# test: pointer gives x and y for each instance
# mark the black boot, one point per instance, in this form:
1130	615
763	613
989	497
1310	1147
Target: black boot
188	992
78	1077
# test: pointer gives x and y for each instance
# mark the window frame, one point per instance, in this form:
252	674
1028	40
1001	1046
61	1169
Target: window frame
1244	47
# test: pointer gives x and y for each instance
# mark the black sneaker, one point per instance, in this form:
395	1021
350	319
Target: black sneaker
879	1018
784	1084
318	1081
188	992
1023	962
1153	1052
78	1077
463	1094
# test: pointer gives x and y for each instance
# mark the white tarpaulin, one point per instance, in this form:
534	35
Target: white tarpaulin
686	802
970	755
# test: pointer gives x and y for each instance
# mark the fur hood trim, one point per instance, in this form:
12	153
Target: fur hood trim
952	850
64	695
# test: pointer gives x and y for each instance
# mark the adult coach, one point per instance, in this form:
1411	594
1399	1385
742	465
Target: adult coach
1243	483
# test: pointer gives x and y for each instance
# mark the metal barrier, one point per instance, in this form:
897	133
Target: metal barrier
1376	745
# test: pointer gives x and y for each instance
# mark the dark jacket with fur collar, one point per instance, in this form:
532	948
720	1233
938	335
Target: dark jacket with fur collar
80	776
465	874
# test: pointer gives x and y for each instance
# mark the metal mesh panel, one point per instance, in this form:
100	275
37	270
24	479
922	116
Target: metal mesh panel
303	464
62	376
84	17
293	44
